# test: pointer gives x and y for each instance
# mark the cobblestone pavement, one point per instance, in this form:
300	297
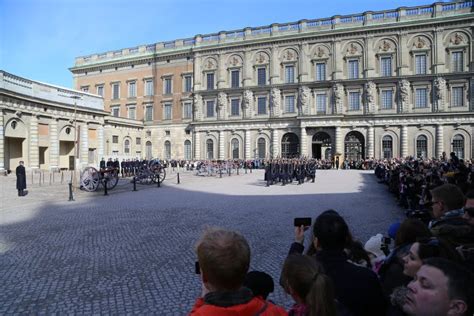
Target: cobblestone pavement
133	252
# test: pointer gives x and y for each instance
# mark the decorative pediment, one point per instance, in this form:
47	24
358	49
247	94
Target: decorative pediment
210	64
289	55
457	39
321	53
235	61
420	43
353	49
261	58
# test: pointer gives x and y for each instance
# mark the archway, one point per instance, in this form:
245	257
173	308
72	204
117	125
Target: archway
290	146
354	146
322	146
15	145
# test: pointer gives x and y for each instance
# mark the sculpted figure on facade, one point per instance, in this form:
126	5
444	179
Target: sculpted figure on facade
338	90
440	92
221	105
275	96
197	107
404	91
247	103
303	95
370	92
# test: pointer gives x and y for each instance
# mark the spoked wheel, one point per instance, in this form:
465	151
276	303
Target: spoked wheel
90	179
144	177
158	171
112	179
162	174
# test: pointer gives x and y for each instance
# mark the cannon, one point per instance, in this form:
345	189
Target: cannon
151	172
91	178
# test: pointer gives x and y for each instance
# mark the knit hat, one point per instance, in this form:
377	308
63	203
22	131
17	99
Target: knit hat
374	245
393	229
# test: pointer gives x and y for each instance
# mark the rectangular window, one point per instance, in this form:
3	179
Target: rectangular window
387	99
320	71
235	78
210	108
187	83
100	90
321	103
386	66
115	111
261	76
114	139
168	86
290	104
149	113
290	74
420	64
116	91
138	141
149	87
235	107
167	115
132	89
210	81
354	101
131	112
187	110
262	105
457	96
421	98
353	68
457	61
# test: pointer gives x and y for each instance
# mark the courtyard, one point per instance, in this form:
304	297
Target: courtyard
133	252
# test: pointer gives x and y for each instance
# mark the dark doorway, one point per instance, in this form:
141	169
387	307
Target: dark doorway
354	148
322	146
290	146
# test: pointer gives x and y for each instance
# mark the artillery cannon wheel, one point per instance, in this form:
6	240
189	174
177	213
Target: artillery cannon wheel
158	171
90	179
112	178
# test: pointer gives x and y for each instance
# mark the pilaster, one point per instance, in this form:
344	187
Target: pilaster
303	63
275	143
336	61
439	140
84	146
338	140
404	142
274	66
100	142
304	140
221	145
53	144
370	142
34	143
2	140
197	145
221	72
248	142
247	69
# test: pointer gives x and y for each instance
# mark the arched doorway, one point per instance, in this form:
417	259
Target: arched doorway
290	146
235	148
148	152
354	148
262	148
322	146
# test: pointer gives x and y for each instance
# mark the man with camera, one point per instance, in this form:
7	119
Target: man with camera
224	259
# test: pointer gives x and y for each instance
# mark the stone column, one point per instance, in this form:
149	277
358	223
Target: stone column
275	143
53	144
303	63
337	62
439	52
100	142
338	141
403	54
221	145
33	148
197	73
197	145
439	140
247	69
404	141
274	66
84	146
2	141
248	152
303	142
221	73
370	142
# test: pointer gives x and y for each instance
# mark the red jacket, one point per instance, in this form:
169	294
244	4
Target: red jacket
255	307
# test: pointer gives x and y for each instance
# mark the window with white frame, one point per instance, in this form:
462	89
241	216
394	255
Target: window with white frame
458	146
235	78
126	147
210	149
354	101
131	112
386	99
210	81
132	89
149	90
168	86
321	102
420	64
100	90
261	105
115	91
457	96
167	109
210	108
235	107
387	147
187	110
421	98
421	146
167	149
235	148
149	113
115	110
188	86
457	61
289	74
187	150
386	66
290	104
320	71
261	76
353	68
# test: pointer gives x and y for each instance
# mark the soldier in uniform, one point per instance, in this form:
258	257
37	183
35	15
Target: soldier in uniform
110	163
102	164
124	169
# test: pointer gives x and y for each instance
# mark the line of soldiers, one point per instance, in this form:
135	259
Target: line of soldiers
288	170
127	167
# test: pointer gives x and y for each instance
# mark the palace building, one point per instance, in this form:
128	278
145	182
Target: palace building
382	84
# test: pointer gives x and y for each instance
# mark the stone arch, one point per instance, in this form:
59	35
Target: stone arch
66	133
210	63
451	40
354	145
467	141
385	45
320	51
290	145
234	61
395	142
430	142
15	128
321	145
420	41
215	144
353	48
289	54
261	57
240	139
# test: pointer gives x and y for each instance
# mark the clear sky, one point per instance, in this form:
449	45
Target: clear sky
39	39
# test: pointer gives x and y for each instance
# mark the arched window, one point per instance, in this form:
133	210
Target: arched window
126	147
148	152
421	146
187	150
235	148
290	146
209	149
354	146
261	147
387	147
167	149
458	145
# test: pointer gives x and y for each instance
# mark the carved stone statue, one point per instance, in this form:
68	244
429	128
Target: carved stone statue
275	96
221	104
338	90
303	94
404	90
370	92
440	92
247	103
197	106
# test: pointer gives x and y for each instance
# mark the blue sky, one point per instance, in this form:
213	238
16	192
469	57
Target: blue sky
39	39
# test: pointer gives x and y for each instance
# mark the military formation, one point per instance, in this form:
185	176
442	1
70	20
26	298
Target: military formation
285	171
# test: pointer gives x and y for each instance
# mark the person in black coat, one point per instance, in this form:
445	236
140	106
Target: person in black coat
21	179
